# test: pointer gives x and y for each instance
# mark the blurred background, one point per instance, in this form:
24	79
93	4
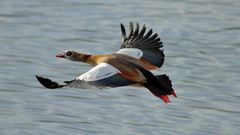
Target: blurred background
202	47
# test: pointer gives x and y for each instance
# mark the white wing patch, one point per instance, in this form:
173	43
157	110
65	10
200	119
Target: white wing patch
133	52
101	71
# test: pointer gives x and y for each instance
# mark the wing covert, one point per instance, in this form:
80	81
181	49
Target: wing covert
101	76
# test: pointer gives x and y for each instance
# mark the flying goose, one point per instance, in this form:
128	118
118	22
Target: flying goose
140	52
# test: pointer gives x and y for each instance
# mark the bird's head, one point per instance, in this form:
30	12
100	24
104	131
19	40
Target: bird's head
73	55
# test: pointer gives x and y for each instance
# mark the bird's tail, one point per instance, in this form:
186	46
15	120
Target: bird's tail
163	90
159	85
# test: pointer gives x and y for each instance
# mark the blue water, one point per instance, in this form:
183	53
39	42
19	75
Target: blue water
202	47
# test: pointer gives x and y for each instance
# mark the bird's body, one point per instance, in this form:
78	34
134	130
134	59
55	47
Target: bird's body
130	65
121	62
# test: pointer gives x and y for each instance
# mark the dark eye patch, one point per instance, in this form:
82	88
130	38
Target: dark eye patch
69	53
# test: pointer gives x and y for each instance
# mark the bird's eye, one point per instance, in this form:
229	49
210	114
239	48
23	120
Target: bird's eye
69	53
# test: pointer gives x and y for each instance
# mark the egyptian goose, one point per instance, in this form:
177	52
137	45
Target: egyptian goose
139	53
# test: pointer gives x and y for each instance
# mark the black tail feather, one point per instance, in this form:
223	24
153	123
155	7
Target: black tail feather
159	83
48	83
163	86
165	80
156	84
162	92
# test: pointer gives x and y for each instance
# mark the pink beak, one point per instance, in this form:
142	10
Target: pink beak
60	55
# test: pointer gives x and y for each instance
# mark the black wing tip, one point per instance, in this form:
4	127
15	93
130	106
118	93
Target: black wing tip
48	83
39	78
122	26
140	37
123	32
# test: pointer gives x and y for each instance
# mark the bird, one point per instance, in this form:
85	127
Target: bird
140	52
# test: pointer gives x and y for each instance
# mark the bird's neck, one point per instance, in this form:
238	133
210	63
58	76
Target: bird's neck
89	59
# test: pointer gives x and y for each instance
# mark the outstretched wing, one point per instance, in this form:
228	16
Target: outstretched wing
101	76
150	44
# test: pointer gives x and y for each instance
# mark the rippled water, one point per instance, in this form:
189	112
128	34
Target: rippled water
202	50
